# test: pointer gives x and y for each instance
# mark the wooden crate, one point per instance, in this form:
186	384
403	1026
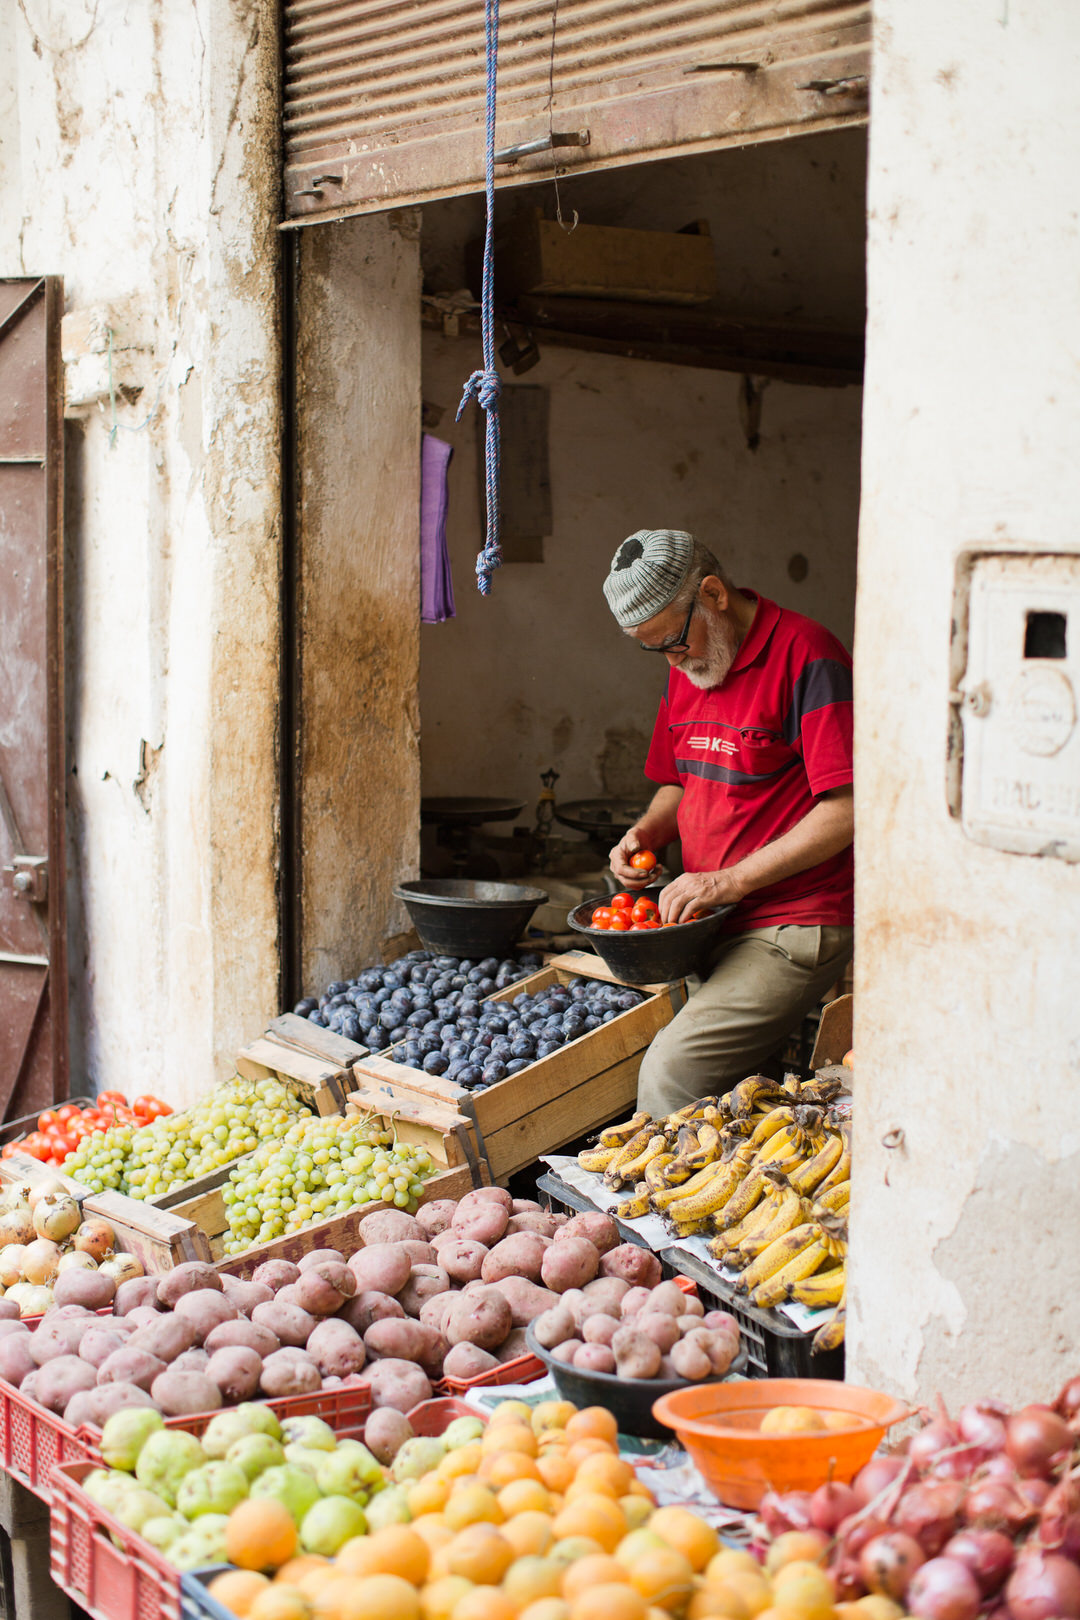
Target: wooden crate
557	1098
314	1063
536	256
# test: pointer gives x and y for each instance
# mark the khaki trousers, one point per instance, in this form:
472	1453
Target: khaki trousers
758	987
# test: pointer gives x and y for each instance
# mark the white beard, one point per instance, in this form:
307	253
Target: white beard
722	646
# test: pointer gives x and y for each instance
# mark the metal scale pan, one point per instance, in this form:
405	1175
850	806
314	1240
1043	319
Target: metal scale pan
601	818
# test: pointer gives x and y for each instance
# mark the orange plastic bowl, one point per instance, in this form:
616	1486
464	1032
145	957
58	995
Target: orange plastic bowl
719	1425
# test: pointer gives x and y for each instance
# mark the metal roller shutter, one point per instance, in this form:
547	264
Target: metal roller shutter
384	99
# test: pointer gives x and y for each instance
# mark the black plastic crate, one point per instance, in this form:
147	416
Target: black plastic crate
195	1601
776	1348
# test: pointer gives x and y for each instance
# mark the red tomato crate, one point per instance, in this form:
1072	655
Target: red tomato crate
105	1568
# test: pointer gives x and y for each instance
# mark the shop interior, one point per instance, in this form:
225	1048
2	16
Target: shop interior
531	697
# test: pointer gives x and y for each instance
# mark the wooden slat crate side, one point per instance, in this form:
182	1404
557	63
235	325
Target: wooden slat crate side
415	1121
301	1035
159	1238
342	1231
606	1096
24	1167
315	1081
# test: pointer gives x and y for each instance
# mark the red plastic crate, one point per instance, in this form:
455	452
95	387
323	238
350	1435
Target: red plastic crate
435	1417
102	1566
522	1370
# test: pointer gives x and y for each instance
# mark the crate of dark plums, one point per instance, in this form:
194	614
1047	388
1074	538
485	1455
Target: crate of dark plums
531	1066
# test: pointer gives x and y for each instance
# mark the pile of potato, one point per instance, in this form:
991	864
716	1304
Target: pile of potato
640	1333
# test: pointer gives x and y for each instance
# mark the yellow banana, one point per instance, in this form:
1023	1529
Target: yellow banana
774	1290
832	1230
634	1207
770	1123
776	1256
616	1136
841	1170
597	1158
742	1098
830	1336
629	1152
824	1288
634	1170
751	1189
789	1211
834	1198
706	1201
656	1171
669	1194
758	1218
811	1173
694	1110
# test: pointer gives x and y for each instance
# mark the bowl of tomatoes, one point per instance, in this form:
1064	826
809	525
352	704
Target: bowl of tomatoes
625	931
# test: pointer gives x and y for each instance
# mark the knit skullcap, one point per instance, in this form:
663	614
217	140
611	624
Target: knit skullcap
647	573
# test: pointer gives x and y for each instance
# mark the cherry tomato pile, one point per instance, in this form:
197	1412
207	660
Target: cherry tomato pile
626	915
60	1130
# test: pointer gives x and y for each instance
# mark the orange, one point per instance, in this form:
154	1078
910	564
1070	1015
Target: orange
528	1532
433	1530
472	1504
294	1571
639	1488
594	1571
261	1534
729	1560
237	1589
687	1533
609	1473
552	1415
636	1542
464	1460
376	1597
396	1549
795	1546
637	1510
609	1603
717	1597
316	1580
485	1603
510	1436
805	1589
479	1553
592	1423
589	1448
516	1411
280	1602
531	1578
753	1589
501	1468
595	1516
428	1495
663	1577
571	1548
779	1613
524	1496
546	1609
555	1469
439	1599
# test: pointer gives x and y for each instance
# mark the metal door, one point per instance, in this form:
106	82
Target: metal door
384	99
33	957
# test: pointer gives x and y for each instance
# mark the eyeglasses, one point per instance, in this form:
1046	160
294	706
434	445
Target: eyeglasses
677	643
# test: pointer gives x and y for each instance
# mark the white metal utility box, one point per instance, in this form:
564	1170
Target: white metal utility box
1014	774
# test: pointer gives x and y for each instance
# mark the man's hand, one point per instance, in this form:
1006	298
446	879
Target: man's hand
699	891
619	858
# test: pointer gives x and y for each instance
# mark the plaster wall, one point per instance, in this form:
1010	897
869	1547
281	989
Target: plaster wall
358	397
537	675
963	1265
140	163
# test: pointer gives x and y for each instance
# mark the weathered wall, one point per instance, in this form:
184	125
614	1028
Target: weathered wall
967	1018
537	674
358	390
140	163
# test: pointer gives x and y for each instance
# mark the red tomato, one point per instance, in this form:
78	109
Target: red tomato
620	923
8	1149
46	1119
647	923
112	1097
643	907
68	1111
622	902
148	1108
643	861
37	1145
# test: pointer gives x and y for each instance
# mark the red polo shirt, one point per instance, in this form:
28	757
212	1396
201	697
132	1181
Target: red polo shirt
753	754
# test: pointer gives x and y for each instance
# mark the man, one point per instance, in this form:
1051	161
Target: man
752	751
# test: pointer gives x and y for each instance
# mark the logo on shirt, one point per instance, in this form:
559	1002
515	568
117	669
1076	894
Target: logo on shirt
714	745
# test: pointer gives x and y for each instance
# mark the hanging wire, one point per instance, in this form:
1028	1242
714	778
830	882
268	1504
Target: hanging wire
551	125
484	385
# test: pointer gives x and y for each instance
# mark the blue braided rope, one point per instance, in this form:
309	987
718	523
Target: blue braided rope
484	386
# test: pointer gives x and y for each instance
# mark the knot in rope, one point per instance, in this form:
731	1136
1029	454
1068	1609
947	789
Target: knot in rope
483	386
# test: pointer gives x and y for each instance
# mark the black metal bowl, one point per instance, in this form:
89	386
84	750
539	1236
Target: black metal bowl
459	917
630	1400
655	955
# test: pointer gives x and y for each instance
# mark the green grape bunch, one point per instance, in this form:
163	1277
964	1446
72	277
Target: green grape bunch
228	1122
317	1169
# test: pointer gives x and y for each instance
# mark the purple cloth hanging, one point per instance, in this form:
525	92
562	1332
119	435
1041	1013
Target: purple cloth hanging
436	584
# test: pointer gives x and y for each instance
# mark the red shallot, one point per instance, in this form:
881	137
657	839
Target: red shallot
888	1563
852	1534
788	1511
1059	1519
987	1553
930	1511
995	1504
943	1589
1068	1402
938	1436
1034	1437
875	1476
982	1424
830	1504
1044	1586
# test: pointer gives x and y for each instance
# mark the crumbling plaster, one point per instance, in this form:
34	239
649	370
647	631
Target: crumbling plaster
143	168
967	1030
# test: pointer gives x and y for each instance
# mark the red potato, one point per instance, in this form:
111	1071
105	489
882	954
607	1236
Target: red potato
639	1267
483	1222
554	1326
433	1312
661	1328
166	1338
525	1299
56	1336
177	1394
192	1276
636	1355
275	1274
633	1300
246	1295
129	1366
598	1229
288	1322
690	1361
385	1267
16	1325
323	1289
667	1297
205	1309
388	1226
600	1329
9	1311
385	1432
318	1257
606	1294
400	1384
421	1254
370	1306
537	1222
403	1341
336	1349
463	1259
435	1217
483	1318
142	1316
486	1195
91	1289
692	1306
94	1407
245	1334
569	1263
519	1256
16	1362
566	1351
426	1282
192	1360
62	1378
97	1343
595	1358
715	1320
468	1361
236	1371
513	1346
526	1206
135	1293
289	1372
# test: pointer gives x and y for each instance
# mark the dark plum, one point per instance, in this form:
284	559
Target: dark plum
493	1073
307	1005
436	1063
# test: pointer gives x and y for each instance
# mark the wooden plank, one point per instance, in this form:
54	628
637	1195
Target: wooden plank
304	1036
159	1238
24	1167
610	1095
586	965
292	1063
435	1129
834	1032
188	1190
